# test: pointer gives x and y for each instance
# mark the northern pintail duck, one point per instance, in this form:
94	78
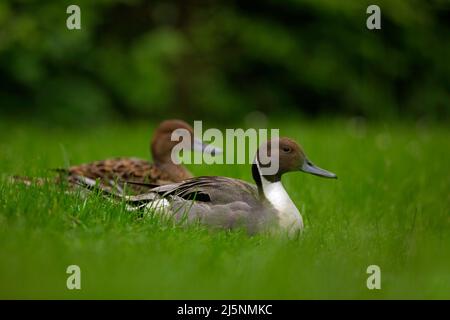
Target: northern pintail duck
162	171
232	203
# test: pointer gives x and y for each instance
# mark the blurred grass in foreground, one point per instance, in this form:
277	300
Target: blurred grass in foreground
390	207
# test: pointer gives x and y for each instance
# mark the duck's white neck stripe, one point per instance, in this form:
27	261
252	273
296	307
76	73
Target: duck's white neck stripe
288	214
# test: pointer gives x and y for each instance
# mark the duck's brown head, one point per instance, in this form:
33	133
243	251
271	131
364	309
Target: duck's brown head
162	142
287	156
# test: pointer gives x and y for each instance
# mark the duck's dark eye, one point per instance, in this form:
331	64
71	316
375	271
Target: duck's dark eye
286	149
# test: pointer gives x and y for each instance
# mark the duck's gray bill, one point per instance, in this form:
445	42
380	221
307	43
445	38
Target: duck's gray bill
199	146
311	168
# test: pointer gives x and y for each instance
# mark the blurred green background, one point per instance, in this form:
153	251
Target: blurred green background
372	106
222	60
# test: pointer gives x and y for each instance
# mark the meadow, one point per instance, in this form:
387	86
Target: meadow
390	207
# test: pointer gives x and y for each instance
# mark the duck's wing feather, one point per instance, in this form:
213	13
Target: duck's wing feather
214	189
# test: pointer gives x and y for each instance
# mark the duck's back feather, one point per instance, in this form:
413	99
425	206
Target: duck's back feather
130	169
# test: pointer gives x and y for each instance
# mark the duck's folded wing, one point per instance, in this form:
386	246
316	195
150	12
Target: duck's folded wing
219	190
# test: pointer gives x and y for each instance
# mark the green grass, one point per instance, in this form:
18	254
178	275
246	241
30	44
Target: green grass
389	207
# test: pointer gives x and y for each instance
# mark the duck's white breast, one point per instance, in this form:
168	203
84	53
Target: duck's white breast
288	214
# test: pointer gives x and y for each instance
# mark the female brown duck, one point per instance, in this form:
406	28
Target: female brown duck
162	171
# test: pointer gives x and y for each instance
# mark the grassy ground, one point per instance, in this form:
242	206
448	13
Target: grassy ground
389	207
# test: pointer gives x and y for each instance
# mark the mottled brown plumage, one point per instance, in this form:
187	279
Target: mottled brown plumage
118	170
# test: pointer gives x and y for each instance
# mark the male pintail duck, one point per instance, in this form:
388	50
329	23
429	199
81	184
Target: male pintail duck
162	171
232	203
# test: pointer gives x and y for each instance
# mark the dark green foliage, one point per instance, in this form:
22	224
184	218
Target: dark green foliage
222	59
